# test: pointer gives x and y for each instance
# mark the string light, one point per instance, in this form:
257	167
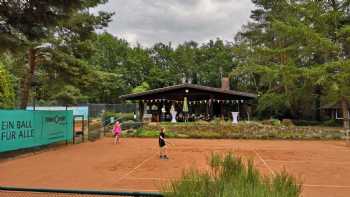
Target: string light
209	101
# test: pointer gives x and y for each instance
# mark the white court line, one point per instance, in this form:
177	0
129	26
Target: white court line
131	171
329	186
268	167
307	161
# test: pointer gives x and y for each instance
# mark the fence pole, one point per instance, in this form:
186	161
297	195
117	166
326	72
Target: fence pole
83	128
88	120
73	130
104	129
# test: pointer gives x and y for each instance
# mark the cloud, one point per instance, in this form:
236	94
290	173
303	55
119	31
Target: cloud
176	21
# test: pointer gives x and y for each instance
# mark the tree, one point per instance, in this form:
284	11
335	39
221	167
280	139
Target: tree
186	66
69	95
116	56
334	74
334	77
31	24
140	64
286	41
142	88
110	52
160	75
215	61
7	94
110	86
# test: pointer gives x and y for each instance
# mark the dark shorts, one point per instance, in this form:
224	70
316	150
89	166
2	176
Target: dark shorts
161	144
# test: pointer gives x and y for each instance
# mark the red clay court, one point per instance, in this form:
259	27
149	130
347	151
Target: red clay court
322	166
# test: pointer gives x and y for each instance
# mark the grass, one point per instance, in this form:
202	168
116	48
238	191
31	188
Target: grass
243	130
228	176
148	133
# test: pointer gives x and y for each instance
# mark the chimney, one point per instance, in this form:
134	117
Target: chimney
225	83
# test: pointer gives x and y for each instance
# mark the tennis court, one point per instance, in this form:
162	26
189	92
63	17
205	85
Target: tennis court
134	165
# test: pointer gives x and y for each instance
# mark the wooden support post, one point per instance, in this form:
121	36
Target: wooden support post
222	110
141	110
206	110
346	118
211	107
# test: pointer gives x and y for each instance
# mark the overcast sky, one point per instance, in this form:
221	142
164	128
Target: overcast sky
152	21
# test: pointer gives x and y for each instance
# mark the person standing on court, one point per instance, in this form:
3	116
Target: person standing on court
117	130
162	144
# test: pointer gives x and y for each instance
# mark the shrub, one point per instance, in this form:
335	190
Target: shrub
7	93
274	122
306	123
272	129
273	105
150	133
332	123
94	124
147	133
287	122
228	176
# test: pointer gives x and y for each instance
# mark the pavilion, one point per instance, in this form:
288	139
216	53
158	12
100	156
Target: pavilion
334	110
203	102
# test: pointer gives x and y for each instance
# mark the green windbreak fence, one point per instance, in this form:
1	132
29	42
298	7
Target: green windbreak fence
24	129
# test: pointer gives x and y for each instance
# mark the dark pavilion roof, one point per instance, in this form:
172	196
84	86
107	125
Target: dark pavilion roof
195	92
334	105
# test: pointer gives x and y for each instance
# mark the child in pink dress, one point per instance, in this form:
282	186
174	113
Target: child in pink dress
117	130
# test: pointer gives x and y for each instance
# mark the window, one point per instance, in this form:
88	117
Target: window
339	114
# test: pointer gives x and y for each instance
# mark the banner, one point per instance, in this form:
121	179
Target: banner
77	110
23	129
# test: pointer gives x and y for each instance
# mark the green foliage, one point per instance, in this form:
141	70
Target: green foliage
334	77
332	123
142	88
272	105
159	66
151	133
33	20
269	129
292	53
54	33
229	176
146	133
111	52
215	61
274	122
110	86
69	95
296	51
7	93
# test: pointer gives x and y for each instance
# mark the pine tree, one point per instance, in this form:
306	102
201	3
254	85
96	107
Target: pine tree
33	24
